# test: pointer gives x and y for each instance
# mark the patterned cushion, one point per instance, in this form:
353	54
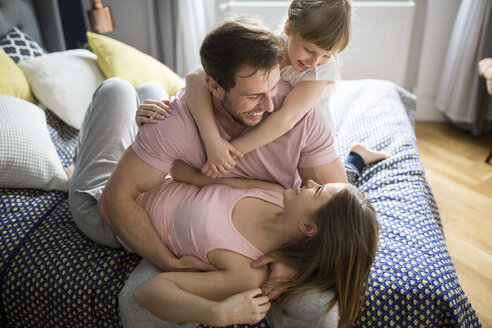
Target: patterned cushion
19	45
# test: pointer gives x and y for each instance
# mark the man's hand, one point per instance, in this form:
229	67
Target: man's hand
184	172
192	263
279	273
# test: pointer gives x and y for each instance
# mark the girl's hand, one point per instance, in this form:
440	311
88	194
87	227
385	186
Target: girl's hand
151	110
220	159
247	307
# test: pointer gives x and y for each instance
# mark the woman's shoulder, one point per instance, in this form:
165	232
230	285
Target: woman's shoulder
240	266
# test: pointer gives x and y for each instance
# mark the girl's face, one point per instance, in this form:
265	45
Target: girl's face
300	203
303	54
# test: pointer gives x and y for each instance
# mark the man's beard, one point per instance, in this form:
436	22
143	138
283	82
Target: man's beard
227	105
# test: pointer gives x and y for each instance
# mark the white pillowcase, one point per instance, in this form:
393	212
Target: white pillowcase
64	82
28	158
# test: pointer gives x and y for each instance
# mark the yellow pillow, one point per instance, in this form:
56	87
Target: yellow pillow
12	81
117	59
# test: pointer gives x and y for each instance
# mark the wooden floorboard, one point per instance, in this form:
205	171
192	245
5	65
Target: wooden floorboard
461	182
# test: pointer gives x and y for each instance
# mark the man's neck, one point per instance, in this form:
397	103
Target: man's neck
226	121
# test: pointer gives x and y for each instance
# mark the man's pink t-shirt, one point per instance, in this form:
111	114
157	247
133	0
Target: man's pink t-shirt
309	143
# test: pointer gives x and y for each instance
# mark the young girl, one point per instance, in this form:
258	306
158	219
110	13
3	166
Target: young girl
327	234
315	31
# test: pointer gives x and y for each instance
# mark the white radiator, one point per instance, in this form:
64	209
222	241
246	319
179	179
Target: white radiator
380	37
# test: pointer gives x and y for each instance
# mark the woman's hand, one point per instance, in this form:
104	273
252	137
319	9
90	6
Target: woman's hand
220	158
279	273
247	307
151	110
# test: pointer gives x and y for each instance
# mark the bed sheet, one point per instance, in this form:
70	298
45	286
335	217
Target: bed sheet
413	282
52	276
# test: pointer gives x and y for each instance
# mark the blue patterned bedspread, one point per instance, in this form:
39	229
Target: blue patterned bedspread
52	276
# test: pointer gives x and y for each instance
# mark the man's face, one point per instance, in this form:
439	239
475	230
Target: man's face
252	95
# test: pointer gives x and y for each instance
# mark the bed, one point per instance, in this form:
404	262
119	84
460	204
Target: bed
53	276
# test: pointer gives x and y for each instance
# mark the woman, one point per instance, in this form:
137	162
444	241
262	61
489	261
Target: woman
326	234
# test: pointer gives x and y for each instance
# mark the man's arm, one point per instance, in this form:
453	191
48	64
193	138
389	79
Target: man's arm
184	172
331	172
129	221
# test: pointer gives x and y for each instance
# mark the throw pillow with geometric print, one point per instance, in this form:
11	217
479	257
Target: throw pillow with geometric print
19	45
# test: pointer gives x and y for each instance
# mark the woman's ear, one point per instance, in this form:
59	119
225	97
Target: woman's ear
287	27
309	229
214	87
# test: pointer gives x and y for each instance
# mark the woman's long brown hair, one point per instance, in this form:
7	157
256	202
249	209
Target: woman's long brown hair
338	257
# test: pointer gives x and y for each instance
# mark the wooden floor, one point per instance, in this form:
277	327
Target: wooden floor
461	181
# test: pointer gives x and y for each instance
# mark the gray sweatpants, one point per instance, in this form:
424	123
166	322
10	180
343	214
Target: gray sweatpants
109	128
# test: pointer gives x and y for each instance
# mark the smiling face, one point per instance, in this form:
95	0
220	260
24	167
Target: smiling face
303	54
251	96
301	203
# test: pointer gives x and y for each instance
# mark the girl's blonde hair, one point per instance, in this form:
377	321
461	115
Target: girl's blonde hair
325	23
339	257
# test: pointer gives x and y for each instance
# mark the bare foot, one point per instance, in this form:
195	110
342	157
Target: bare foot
69	172
368	155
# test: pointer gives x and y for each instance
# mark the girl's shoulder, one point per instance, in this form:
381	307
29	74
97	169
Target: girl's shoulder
326	72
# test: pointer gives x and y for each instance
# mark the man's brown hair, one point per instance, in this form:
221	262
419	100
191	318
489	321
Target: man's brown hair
238	43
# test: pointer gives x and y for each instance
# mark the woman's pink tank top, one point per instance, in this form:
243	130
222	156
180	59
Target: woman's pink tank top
195	221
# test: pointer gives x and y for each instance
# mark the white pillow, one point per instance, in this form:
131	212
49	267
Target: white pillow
28	158
64	82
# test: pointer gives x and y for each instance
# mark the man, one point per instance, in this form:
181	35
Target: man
242	66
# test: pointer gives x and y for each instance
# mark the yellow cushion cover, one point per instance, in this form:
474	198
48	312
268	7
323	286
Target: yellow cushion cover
117	59
13	82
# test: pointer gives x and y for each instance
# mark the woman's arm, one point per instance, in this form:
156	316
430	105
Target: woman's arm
151	111
217	298
183	172
297	103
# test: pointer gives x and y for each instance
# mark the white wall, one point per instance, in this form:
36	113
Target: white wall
380	43
130	21
432	27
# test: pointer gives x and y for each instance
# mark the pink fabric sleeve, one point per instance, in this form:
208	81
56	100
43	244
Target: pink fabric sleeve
319	144
160	144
